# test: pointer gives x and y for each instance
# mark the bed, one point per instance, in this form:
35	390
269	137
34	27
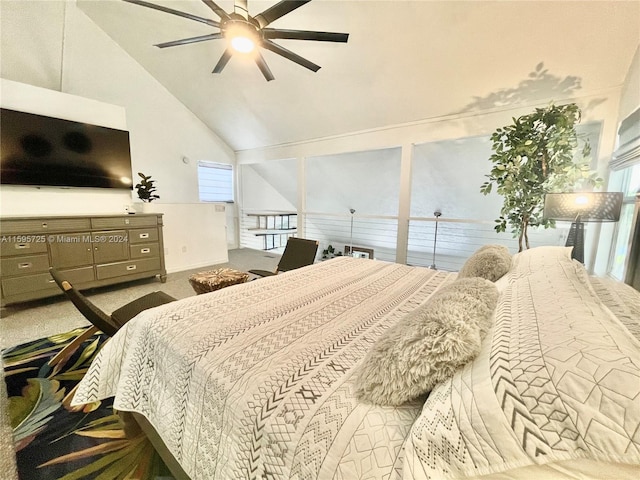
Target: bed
259	380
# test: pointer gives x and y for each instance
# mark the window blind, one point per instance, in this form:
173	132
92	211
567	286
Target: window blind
628	152
215	182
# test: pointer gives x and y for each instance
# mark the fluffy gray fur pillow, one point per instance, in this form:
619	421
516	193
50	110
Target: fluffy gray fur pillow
492	246
428	345
490	262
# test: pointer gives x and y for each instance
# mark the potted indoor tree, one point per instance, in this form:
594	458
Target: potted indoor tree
533	156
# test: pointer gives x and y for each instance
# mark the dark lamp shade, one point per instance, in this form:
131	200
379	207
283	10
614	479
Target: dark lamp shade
583	207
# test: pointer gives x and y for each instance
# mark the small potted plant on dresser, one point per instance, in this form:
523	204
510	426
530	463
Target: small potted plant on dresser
146	191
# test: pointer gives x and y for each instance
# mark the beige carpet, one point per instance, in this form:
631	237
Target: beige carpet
29	321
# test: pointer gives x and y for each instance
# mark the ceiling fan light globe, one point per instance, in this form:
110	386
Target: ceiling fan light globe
243	44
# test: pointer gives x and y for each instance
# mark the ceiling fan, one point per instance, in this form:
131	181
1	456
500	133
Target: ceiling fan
245	33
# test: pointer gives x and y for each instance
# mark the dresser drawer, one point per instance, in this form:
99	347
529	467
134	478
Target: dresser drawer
11	245
143	235
122	269
42	282
35	226
78	276
24	265
27	284
144	250
124	221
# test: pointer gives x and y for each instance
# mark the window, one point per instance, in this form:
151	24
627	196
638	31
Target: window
215	182
630	185
625	166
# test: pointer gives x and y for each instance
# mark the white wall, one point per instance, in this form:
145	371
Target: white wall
599	108
368	182
56	46
259	195
184	250
32	38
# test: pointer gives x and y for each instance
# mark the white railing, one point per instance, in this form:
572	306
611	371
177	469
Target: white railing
457	239
253	230
378	233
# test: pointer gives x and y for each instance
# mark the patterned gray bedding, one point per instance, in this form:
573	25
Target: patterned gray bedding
257	380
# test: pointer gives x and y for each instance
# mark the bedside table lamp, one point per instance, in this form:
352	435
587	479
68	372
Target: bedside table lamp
579	208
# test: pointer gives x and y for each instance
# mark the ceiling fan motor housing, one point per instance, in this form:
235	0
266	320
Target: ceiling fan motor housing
237	27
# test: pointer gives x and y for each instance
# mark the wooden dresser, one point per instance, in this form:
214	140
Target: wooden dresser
91	251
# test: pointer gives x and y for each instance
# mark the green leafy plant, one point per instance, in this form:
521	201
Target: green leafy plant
146	188
329	251
533	156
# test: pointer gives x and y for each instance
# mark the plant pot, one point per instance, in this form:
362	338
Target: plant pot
142	207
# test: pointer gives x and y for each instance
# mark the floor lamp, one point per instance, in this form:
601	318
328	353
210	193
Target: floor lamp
579	208
437	214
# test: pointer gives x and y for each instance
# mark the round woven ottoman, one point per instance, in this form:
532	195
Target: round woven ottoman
211	280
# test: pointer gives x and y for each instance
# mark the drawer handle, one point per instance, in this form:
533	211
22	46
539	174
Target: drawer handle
25	265
145	250
144	235
44	225
131	267
51	281
22	246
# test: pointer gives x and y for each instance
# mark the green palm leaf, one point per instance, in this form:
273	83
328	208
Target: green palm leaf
31	412
98	465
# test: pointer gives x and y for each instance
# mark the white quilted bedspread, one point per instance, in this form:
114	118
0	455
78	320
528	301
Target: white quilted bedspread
253	381
558	379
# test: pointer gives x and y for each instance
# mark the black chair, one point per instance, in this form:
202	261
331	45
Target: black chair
298	252
108	324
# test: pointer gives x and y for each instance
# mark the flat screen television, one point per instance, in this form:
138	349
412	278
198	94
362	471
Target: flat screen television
47	151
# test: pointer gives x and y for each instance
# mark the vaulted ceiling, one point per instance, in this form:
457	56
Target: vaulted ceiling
405	61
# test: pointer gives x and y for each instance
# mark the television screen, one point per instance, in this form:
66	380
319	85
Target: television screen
46	151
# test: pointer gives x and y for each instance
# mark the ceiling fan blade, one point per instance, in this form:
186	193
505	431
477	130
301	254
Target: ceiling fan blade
186	41
216	9
278	10
288	54
264	68
174	12
305	35
224	59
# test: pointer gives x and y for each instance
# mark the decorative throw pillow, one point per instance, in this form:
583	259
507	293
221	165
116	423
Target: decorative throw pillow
492	246
490	262
428	345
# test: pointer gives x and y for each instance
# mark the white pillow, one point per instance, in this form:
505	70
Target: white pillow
538	258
